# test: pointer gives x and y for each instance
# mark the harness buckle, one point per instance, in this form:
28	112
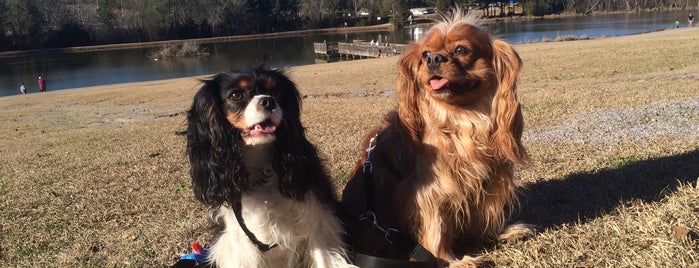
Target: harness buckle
370	217
389	234
368	167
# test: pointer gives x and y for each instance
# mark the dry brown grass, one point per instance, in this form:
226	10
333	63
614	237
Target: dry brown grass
98	177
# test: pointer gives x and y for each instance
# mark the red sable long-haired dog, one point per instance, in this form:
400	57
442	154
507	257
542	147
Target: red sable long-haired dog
443	161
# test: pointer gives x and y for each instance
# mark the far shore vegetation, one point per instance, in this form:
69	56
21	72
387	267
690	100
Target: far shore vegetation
43	25
186	49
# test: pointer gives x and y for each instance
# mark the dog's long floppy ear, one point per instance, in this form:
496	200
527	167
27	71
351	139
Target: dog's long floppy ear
216	167
297	162
507	114
409	93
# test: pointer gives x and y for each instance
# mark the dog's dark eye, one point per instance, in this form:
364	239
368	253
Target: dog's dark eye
461	50
425	54
236	95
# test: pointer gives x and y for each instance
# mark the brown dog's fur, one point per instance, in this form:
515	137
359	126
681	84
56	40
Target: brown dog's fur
443	161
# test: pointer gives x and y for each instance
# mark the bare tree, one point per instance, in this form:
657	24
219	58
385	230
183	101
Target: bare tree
314	9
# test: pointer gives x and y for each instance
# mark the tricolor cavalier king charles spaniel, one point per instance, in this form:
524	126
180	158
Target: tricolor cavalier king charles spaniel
442	163
269	196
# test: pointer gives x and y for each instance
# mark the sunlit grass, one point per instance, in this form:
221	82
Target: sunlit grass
99	177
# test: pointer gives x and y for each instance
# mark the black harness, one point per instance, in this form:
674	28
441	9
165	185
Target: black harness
238	210
419	256
267	173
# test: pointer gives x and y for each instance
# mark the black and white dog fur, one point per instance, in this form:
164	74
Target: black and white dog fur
247	148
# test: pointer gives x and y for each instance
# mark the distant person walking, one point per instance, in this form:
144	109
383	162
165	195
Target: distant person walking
23	88
677	24
690	20
42	84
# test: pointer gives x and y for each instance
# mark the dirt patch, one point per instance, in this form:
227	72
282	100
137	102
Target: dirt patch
667	118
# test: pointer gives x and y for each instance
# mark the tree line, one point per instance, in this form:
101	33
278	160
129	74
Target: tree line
42	24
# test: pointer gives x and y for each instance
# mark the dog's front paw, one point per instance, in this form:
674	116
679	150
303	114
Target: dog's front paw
467	262
517	232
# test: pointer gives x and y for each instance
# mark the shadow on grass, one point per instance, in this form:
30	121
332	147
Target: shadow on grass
584	196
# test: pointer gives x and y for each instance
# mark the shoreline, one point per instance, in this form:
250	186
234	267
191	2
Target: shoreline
386	26
645	35
379	27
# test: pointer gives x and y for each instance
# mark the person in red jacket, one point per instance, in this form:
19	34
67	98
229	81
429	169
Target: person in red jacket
42	84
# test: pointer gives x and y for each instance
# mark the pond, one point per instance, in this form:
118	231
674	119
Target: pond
76	70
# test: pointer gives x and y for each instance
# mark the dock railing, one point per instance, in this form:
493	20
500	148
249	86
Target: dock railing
325	48
357	49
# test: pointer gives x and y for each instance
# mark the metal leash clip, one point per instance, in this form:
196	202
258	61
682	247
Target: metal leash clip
370	217
367	162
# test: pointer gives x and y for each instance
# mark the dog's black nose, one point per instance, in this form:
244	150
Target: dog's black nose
268	103
435	59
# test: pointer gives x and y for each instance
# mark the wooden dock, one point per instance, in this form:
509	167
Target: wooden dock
356	50
325	48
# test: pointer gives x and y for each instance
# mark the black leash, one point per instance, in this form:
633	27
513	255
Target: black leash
238	210
420	257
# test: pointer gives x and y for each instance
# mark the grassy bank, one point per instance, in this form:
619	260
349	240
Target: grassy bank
97	177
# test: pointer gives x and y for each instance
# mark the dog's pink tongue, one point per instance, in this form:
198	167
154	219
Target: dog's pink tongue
438	84
257	129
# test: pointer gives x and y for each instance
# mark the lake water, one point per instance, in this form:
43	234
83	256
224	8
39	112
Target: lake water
76	70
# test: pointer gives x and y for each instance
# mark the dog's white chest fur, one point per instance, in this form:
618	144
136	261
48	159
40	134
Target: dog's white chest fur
306	233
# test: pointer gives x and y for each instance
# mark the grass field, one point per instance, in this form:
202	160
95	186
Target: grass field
97	177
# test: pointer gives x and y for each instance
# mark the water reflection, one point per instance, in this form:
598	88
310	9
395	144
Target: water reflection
417	33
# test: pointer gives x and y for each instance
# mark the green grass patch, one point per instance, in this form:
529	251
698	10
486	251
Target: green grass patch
55	226
149	252
180	187
28	250
3	189
622	160
25	251
342	179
